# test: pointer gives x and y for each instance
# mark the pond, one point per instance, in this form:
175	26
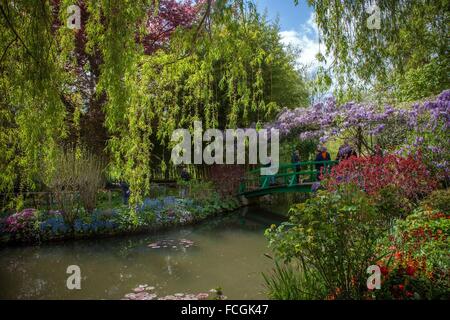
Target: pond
226	252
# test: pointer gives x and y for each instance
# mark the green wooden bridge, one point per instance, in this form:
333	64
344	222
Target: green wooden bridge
288	179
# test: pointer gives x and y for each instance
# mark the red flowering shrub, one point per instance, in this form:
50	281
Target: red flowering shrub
408	175
416	263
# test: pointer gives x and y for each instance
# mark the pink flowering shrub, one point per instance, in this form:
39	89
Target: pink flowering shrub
21	224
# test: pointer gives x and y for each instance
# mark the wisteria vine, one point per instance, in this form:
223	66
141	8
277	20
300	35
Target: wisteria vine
421	129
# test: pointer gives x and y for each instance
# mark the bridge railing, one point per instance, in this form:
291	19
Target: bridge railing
289	174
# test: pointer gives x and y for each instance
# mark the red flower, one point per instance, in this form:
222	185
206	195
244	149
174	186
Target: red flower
384	270
410	270
398	255
401	287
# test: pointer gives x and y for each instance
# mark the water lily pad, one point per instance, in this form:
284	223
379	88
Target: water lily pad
151	296
143	295
202	296
171	243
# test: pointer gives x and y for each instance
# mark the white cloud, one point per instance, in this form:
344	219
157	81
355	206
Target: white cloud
307	40
309	47
310	27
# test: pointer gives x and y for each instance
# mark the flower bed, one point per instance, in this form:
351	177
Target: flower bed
31	225
417	262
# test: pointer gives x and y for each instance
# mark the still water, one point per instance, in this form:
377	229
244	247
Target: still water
226	252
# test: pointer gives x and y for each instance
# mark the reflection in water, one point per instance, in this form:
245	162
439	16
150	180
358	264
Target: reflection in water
226	252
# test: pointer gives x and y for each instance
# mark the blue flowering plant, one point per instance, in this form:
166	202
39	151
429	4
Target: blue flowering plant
97	222
52	224
35	225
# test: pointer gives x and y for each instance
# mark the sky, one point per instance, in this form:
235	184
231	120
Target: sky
297	26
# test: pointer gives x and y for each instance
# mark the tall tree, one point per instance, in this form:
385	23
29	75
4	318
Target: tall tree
406	58
50	74
131	74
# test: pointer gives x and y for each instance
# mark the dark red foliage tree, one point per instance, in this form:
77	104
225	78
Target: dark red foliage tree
170	15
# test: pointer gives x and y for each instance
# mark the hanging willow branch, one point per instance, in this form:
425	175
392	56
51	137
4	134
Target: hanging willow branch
11	27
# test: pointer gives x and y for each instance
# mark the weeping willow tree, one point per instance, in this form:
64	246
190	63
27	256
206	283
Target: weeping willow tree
232	72
226	67
398	49
235	74
31	83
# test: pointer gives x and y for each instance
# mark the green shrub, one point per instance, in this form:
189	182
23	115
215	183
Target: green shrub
198	189
126	219
333	237
75	181
438	200
390	203
108	200
148	216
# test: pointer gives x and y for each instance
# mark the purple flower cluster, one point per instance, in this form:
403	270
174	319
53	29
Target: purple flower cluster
431	115
429	123
424	125
344	151
318	115
327	118
20	221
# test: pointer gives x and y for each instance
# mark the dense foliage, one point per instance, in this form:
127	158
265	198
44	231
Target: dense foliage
133	73
403	57
365	218
416	261
332	237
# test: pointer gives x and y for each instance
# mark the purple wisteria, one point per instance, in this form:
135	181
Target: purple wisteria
429	124
423	128
326	119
